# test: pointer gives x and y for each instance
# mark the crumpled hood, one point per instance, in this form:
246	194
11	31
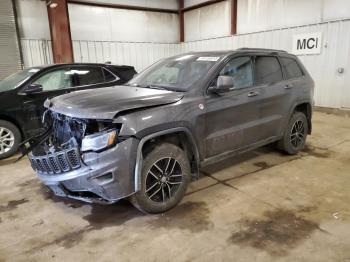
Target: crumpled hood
105	103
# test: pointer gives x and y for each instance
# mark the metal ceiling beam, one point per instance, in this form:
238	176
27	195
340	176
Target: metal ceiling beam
203	4
127	7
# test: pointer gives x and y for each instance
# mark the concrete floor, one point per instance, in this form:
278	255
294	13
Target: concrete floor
261	206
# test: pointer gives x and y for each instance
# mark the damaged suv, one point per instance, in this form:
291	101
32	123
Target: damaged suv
145	140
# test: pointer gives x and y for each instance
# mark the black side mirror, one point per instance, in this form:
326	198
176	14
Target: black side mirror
223	84
31	89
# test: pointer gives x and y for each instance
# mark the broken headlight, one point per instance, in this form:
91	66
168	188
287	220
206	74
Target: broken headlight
99	141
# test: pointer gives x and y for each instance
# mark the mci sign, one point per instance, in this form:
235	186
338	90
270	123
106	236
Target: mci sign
307	44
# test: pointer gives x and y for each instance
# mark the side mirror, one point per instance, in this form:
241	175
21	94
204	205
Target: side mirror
31	89
223	84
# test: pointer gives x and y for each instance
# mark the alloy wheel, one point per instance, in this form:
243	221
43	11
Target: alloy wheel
163	179
7	140
297	135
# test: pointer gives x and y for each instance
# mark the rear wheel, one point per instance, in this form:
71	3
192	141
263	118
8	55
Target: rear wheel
10	137
164	179
295	135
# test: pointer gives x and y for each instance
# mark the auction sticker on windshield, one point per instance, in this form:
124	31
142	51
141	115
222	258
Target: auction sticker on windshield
208	58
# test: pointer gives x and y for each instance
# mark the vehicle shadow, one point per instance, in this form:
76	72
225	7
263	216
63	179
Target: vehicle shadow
9	161
119	213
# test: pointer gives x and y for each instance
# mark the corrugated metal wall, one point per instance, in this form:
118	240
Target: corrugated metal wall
332	88
36	52
10	61
140	55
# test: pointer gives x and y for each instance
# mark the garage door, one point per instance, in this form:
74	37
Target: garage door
10	61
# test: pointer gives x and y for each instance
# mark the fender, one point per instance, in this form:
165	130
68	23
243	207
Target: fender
292	109
139	157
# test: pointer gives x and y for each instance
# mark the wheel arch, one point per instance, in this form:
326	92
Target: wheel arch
180	135
305	108
14	122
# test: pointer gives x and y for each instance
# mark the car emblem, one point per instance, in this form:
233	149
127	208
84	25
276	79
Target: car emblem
201	106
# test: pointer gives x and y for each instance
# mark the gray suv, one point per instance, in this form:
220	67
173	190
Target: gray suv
145	140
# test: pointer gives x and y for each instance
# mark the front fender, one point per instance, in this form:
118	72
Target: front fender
139	157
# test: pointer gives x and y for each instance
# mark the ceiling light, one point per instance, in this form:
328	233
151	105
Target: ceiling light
53	5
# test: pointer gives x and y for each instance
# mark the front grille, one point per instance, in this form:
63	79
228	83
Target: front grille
57	163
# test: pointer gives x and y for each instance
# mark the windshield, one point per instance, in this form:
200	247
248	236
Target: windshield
177	74
13	81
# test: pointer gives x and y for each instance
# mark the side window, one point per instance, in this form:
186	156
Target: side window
109	77
56	79
267	70
87	75
240	69
291	68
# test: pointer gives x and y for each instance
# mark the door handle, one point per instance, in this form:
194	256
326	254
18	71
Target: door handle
252	93
288	86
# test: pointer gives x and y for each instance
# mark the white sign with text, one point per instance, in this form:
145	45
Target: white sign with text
307	44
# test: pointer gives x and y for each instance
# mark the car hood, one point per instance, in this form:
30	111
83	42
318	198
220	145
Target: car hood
105	103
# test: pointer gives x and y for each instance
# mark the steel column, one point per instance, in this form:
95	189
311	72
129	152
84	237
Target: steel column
62	48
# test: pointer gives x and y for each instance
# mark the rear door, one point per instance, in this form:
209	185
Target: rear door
232	117
88	77
275	95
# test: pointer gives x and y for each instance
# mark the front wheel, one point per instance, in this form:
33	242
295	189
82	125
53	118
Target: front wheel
295	135
10	137
165	176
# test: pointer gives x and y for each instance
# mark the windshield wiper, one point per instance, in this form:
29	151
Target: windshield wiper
158	87
150	86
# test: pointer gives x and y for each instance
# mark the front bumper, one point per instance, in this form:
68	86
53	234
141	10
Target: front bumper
103	177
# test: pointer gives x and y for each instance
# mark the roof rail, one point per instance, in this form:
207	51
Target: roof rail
261	49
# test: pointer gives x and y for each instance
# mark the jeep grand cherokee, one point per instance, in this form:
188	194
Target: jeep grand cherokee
146	139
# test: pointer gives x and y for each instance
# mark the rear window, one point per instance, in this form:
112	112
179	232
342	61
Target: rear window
267	70
108	76
291	68
88	75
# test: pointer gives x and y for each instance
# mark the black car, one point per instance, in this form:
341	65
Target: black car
146	139
23	94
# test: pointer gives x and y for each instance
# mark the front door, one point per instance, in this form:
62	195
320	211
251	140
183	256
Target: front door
57	82
232	117
54	83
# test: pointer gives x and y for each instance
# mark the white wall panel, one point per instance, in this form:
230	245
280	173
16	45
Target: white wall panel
208	22
260	15
336	9
110	24
32	19
140	55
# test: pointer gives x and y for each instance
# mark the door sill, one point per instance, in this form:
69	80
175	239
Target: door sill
238	151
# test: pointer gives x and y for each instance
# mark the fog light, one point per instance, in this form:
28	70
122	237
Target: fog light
103	179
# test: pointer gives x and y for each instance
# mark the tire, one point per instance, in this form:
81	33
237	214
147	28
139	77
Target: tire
165	176
10	138
294	137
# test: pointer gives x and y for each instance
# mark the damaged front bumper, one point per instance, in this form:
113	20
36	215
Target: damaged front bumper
102	177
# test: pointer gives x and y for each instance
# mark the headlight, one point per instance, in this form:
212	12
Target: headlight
99	141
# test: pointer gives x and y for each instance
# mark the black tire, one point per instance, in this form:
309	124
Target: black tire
7	129
294	137
166	169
